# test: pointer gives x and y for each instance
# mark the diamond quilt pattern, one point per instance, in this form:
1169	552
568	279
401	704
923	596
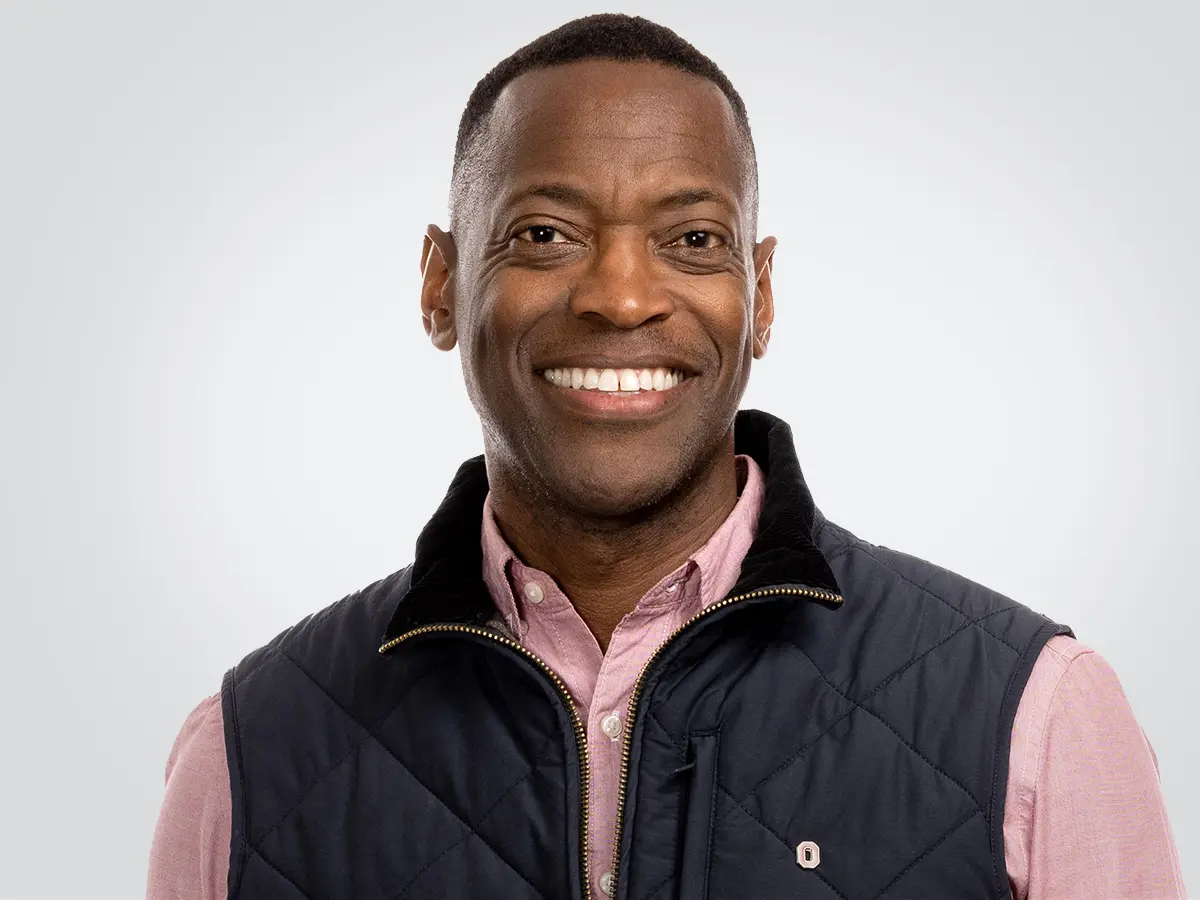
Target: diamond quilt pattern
304	837
884	751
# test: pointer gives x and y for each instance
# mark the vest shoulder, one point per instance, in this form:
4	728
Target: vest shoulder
863	568
353	624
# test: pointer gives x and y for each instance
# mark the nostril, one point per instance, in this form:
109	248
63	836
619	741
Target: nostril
626	310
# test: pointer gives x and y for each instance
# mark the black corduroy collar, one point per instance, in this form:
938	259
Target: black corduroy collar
447	572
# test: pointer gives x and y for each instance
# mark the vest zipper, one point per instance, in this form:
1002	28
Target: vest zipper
631	711
580	730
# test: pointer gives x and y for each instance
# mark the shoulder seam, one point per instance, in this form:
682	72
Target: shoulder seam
1068	659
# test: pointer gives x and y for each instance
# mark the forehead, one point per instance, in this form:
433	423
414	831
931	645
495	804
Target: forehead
618	128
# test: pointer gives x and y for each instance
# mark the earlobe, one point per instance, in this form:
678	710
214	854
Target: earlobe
437	288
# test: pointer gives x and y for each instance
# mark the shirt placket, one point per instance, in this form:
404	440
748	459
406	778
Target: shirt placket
633	643
606	733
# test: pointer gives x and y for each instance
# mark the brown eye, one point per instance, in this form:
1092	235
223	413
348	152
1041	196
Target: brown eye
541	234
699	240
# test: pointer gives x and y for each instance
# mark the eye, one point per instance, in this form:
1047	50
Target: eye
541	234
700	240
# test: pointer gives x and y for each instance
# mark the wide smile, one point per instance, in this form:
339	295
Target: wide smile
616	393
625	381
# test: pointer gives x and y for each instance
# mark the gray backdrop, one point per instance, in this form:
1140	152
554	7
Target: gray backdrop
220	412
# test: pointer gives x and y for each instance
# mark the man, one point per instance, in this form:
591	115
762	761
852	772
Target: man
631	657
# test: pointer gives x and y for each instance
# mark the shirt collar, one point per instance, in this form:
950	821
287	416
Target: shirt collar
715	564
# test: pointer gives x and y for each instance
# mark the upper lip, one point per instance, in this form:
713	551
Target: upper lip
600	361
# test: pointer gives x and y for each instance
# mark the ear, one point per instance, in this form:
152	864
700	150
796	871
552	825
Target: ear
438	256
764	299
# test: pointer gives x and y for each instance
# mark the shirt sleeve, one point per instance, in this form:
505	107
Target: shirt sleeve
189	856
1084	815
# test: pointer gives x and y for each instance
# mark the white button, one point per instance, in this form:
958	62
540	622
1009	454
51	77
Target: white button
611	725
808	855
533	592
606	883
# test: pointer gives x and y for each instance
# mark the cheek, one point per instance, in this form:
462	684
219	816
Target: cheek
729	320
507	308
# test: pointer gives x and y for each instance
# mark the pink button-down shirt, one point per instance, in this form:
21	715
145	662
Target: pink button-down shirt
1084	816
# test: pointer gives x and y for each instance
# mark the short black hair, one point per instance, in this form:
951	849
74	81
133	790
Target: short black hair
603	36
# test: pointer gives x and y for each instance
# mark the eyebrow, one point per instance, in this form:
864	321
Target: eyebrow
573	196
561	193
691	197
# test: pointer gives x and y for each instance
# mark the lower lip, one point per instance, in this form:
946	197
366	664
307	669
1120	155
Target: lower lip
612	405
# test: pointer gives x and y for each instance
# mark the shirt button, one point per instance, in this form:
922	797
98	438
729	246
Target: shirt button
533	592
611	725
606	883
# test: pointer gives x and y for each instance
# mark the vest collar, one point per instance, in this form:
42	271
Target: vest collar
447	581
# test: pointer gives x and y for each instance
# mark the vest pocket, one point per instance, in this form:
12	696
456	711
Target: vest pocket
698	815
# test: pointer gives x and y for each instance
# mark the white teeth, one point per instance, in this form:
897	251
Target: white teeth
624	380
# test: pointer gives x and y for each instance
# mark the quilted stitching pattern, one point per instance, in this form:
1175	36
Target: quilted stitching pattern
471	824
858	704
758	804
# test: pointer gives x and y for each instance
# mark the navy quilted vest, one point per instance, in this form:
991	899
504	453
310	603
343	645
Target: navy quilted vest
838	727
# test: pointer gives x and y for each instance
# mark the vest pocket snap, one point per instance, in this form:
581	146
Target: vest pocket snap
699	814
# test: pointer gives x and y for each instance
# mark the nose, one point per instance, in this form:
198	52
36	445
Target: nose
621	285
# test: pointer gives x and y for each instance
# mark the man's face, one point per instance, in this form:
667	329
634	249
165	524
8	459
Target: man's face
609	242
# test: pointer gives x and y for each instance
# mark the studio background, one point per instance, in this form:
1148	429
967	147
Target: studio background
221	412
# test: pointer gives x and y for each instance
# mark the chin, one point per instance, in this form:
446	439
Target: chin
605	488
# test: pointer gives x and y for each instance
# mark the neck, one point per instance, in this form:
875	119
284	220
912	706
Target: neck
606	565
